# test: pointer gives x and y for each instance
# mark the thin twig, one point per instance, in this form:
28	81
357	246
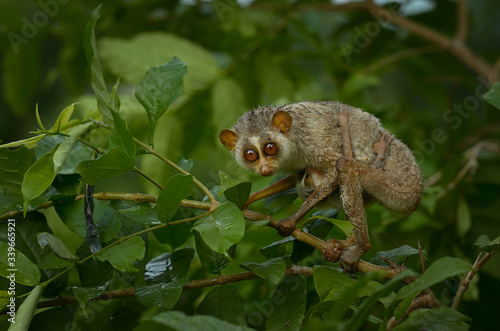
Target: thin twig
464	284
420	253
143	174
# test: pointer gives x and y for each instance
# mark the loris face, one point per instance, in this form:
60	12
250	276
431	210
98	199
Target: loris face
264	152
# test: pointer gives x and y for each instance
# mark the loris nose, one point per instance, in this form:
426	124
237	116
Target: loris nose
266	170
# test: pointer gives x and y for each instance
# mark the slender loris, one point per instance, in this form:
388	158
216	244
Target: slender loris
324	146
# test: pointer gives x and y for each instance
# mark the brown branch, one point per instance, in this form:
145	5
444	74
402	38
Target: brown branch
458	49
317	243
462	21
464	284
194	284
406	53
136	197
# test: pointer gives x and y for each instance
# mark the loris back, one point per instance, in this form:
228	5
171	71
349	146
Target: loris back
315	139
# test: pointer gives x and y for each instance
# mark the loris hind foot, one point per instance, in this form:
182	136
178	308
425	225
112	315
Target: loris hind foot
345	251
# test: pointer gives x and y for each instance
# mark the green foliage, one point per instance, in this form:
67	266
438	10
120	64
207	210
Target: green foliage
271	271
224	302
195	68
159	88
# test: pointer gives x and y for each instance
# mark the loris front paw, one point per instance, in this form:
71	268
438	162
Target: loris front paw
286	226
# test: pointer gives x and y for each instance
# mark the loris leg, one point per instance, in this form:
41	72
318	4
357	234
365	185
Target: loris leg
396	191
277	187
328	184
334	248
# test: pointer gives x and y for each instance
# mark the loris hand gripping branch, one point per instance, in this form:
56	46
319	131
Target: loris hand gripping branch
324	146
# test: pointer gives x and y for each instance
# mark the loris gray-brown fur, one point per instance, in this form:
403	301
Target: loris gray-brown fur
309	135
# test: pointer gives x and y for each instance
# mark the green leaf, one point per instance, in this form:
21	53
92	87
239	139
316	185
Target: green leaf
127	57
187	165
318	228
277	248
178	321
223	228
212	261
396	255
224	302
271	271
38	178
345	226
71	213
84	294
13	166
279	201
141	214
27	309
330	282
256	224
96	80
63	151
126	138
126	317
123	256
235	191
164	296
178	187
437	272
24	142
288	314
159	88
38	119
55	245
485	244
169	267
26	272
63	119
383	293
493	95
437	319
92	272
115	162
26	243
350	294
51	261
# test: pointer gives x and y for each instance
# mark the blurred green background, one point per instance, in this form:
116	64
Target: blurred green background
249	53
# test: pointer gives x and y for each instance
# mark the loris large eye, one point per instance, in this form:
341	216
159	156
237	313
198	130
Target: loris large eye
251	155
270	149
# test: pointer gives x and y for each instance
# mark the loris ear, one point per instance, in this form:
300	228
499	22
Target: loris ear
282	120
228	138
